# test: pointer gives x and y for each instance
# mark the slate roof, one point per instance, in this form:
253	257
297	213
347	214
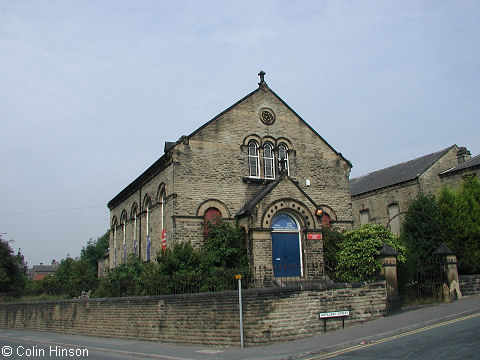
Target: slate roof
250	205
396	174
473	162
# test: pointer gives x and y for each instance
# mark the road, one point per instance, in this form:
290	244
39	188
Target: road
454	339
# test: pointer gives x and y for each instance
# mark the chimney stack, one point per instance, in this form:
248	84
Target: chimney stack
463	155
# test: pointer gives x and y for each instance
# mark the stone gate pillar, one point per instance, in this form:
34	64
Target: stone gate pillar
448	263
388	257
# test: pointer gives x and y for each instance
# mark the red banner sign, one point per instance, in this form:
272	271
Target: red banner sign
164	239
314	236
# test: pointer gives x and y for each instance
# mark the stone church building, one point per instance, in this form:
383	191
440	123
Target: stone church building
257	162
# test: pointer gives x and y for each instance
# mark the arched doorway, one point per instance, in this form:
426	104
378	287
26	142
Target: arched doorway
286	246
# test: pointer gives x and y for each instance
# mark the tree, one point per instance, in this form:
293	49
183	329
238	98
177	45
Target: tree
224	246
358	258
422	228
12	268
332	239
76	275
459	211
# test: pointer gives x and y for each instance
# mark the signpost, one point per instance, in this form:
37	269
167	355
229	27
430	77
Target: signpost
314	236
239	278
326	315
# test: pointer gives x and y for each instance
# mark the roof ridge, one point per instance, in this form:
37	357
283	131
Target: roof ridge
403	162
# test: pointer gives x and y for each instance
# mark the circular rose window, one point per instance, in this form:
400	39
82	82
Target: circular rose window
267	116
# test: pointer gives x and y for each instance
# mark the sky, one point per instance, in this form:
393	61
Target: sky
91	90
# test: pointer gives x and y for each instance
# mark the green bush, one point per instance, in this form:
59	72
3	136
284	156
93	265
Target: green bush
358	258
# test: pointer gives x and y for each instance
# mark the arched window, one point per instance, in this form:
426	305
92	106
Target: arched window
212	216
268	161
123	222
114	240
326	221
162	209
283	159
253	160
147	207
364	217
393	211
134	218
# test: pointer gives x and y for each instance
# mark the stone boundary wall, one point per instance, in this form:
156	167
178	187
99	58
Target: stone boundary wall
469	284
270	315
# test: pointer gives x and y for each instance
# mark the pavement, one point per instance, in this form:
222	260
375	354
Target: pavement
408	319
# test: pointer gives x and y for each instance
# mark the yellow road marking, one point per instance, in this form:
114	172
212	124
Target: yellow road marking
375	342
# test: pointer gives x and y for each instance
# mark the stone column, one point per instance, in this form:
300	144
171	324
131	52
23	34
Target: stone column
448	263
388	256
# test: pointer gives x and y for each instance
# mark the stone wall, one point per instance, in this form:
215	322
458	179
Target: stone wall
376	202
270	315
469	284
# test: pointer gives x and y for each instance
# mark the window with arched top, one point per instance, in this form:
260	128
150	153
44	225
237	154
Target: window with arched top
268	161
253	160
134	218
147	208
162	209
283	159
394	218
326	221
212	216
114	240
123	222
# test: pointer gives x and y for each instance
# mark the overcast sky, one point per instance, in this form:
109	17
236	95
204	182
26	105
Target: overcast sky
91	90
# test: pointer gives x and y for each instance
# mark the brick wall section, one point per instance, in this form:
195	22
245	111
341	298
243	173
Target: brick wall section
270	315
469	284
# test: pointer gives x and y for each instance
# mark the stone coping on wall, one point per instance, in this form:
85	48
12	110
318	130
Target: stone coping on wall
270	314
245	292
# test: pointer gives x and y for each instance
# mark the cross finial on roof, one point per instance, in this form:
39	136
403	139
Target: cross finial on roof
262	78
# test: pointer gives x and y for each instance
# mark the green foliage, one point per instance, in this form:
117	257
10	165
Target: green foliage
358	258
332	239
124	279
224	246
421	230
182	268
76	275
459	211
12	268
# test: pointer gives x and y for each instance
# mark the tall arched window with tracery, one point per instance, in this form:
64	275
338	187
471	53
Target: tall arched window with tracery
253	160
283	165
268	161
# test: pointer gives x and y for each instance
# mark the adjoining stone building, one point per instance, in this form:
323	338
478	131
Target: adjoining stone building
467	167
258	162
380	196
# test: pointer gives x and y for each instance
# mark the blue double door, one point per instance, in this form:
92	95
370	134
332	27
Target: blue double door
286	254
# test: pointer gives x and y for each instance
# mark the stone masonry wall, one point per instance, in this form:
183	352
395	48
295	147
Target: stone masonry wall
270	315
376	202
469	284
430	181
